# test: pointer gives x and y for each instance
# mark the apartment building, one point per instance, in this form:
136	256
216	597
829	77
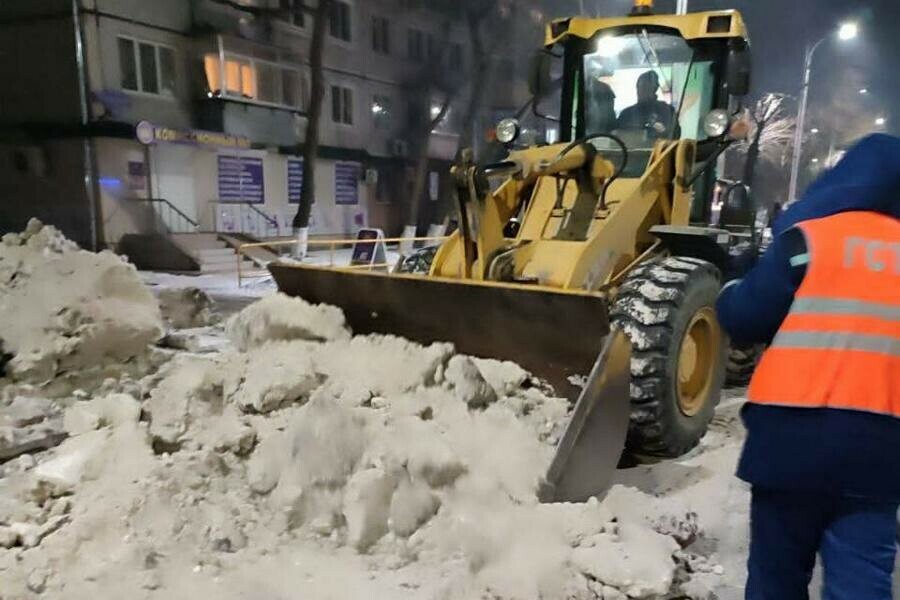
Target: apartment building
125	114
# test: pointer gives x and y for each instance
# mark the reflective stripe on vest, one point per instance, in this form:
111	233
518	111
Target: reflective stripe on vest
839	346
834	340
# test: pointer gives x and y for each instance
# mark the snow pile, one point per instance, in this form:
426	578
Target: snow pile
306	461
185	308
277	317
65	311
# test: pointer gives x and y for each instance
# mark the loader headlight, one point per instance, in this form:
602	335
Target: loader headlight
716	123
508	130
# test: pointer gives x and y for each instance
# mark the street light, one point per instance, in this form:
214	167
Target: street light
814	130
880	121
847	31
864	91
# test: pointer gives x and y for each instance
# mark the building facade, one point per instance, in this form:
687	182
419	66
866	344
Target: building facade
124	114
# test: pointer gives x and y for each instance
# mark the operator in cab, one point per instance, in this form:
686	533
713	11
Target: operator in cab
650	113
600	109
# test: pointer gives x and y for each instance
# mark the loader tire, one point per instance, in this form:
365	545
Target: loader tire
666	307
742	361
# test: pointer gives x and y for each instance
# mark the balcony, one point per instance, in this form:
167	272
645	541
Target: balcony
262	125
250	89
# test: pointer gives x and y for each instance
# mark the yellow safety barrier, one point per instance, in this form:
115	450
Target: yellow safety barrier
332	245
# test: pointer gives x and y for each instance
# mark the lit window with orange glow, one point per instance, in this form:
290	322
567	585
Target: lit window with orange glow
248	81
232	77
211	66
240	76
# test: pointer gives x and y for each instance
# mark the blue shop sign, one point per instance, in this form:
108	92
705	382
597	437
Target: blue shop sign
241	179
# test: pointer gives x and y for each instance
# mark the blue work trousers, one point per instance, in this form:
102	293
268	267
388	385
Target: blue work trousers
855	537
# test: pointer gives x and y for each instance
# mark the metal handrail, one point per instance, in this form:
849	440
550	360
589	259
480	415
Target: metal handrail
332	244
267	219
178	211
192	224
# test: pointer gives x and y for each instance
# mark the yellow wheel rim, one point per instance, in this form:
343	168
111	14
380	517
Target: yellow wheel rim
697	360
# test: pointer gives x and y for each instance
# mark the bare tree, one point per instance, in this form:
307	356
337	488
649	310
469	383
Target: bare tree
477	12
432	80
313	119
420	172
487	29
770	136
321	14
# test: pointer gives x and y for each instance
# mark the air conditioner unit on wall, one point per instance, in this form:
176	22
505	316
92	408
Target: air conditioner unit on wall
399	148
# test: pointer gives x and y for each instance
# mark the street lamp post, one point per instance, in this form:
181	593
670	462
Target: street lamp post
847	31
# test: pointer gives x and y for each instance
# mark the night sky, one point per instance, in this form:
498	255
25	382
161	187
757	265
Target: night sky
779	30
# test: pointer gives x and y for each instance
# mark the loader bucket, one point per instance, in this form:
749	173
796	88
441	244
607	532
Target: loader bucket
553	334
589	450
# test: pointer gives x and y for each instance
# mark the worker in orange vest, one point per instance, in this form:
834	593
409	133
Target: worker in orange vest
823	417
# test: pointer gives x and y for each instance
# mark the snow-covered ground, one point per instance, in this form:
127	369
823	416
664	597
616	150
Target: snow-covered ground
157	451
702	482
232	295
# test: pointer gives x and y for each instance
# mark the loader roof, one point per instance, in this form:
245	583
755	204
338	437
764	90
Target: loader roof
701	25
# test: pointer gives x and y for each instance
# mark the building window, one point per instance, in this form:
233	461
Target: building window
382	112
415	45
292	92
146	67
341	105
267	83
127	65
340	26
292	12
240	78
381	35
433	51
456	56
506	69
255	80
447	122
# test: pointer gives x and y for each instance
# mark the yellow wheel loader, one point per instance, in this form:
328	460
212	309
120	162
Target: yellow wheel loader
591	261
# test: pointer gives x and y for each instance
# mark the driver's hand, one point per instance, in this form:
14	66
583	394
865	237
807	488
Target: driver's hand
740	129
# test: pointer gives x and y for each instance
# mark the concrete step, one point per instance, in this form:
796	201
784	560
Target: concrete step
217	260
230	267
194	241
207	253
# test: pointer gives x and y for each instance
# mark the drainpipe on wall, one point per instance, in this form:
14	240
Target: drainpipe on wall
90	182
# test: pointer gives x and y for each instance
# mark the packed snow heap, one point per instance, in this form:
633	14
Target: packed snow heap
300	461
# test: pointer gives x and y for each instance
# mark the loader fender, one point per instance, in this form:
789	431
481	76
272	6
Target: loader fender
706	243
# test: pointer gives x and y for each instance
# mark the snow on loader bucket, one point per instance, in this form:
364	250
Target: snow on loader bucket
553	334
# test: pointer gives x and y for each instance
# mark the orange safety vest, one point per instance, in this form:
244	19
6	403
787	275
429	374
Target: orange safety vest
839	346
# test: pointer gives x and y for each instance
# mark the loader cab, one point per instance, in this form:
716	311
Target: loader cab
644	79
641	86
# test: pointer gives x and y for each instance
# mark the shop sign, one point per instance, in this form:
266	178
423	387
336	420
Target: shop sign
346	183
148	133
294	179
241	179
137	175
